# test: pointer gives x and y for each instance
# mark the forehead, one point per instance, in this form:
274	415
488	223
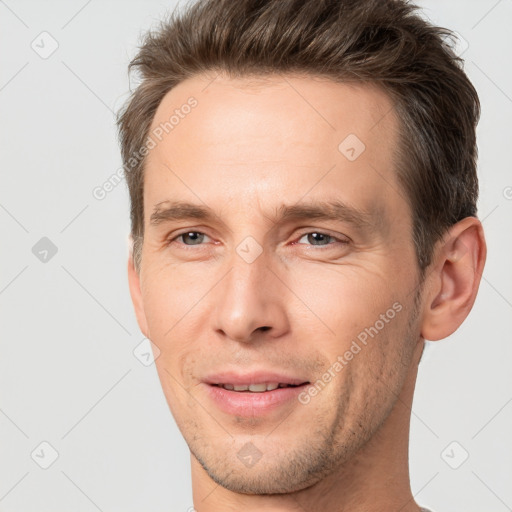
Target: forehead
319	103
262	138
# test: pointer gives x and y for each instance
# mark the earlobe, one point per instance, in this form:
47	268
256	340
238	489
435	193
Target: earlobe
454	279
136	295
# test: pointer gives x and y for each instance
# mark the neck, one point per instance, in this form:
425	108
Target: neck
376	478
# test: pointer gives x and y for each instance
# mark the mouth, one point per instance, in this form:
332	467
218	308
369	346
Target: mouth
258	388
255	394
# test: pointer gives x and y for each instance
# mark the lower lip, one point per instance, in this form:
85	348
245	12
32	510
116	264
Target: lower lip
247	403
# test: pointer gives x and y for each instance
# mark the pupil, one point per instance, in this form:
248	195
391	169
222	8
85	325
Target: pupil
194	235
315	237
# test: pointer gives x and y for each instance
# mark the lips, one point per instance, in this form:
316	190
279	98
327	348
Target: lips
255	393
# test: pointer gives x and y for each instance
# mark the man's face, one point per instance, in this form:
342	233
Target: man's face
257	293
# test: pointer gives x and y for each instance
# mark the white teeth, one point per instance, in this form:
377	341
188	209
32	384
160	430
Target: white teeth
255	388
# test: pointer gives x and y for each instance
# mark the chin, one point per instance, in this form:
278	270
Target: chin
283	474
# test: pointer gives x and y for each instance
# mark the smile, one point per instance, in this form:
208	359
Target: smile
250	396
256	388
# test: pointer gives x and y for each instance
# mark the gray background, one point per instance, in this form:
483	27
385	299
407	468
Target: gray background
68	373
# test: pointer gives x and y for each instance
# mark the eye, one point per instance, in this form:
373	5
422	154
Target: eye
314	238
195	237
318	238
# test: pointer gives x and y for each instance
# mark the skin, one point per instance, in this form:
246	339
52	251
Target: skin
248	147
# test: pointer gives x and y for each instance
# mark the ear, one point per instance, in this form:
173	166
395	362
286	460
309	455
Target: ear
136	295
453	279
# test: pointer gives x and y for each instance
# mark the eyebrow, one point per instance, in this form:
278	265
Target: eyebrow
167	211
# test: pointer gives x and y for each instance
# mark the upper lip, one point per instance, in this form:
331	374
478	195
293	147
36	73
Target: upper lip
253	377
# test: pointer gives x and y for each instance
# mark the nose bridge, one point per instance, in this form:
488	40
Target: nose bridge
249	297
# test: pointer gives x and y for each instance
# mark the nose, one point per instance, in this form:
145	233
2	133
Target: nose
250	301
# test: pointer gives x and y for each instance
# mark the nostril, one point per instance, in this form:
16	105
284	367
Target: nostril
265	328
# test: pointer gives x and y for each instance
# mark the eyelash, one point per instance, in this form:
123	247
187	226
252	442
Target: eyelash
188	247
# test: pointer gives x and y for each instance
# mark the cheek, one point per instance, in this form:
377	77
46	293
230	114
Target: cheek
343	300
170	295
177	393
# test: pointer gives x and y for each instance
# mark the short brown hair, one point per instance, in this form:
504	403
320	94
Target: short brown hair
382	42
